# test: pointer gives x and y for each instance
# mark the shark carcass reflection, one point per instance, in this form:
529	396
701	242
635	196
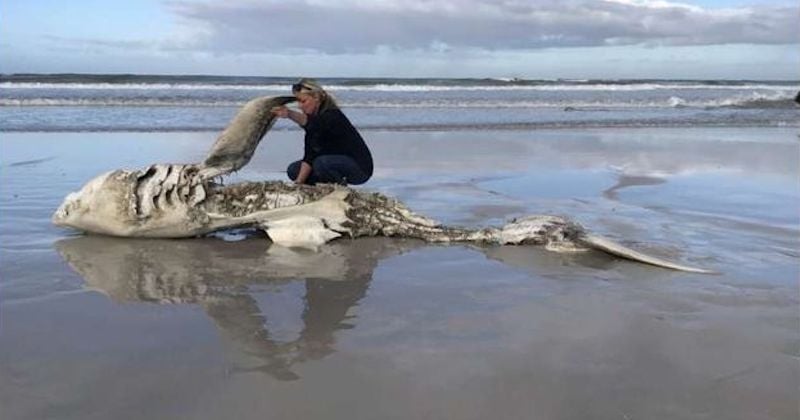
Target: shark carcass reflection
219	278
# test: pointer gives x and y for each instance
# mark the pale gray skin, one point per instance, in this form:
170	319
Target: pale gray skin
181	200
236	145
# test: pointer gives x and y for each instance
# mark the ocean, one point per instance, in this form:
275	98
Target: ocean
78	102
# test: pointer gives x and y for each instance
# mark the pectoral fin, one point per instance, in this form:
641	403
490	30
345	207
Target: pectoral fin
300	231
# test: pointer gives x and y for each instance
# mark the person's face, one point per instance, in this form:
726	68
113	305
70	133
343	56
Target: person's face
309	104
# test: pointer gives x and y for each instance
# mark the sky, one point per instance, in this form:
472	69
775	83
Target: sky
538	39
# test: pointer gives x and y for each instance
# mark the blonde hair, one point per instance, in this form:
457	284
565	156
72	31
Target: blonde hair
313	88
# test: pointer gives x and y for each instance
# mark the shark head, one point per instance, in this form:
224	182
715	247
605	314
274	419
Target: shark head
103	205
159	201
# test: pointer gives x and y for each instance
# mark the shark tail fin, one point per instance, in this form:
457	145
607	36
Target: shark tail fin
613	248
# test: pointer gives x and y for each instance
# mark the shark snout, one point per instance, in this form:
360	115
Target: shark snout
65	210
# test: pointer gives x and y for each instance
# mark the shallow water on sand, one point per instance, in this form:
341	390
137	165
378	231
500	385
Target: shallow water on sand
96	327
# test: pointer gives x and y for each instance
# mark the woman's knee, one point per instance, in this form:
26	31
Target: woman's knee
324	165
293	170
339	168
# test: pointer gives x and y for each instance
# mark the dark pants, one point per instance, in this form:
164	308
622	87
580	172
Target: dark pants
333	169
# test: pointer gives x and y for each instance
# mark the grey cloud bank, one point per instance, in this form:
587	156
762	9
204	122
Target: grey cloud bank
418	38
358	27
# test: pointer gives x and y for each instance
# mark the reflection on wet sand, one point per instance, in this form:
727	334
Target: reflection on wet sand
219	276
222	278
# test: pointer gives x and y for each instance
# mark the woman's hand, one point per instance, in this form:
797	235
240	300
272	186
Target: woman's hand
280	111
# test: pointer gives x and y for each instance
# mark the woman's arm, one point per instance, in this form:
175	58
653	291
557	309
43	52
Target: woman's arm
284	112
305	171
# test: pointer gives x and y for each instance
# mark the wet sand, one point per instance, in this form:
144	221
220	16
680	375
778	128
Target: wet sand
94	327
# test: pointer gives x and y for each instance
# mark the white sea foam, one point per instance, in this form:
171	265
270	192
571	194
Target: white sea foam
100	103
154	102
675	101
754	99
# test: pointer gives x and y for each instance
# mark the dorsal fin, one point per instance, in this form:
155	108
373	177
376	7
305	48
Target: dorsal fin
237	143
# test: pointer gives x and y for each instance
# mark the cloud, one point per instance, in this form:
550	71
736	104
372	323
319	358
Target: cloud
62	43
360	26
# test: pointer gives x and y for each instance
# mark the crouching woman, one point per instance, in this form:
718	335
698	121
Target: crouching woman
334	151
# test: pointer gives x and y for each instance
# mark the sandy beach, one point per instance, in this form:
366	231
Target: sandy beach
96	328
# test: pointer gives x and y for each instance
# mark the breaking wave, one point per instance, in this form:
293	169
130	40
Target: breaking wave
117	102
78	102
752	100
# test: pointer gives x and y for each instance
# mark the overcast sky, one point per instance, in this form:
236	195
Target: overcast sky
697	39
